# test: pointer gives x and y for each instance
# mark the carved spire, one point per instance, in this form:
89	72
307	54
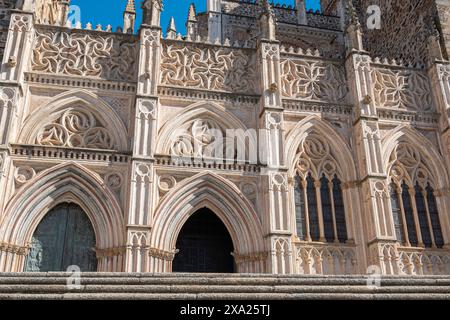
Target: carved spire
191	23
171	29
301	12
267	7
352	14
353	28
192	15
129	17
434	42
130	7
152	12
267	20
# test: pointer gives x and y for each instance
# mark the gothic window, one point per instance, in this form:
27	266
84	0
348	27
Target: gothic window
423	216
413	201
325	196
312	209
396	212
412	235
434	215
319	203
300	208
340	210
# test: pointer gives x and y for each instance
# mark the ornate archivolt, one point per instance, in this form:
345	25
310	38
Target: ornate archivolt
63	183
409	165
223	198
411	157
316	157
314	146
313	80
76	120
208	67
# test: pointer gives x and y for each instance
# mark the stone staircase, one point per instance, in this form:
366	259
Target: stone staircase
104	286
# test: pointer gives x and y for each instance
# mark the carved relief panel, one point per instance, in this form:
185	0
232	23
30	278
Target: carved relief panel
111	57
208	68
313	80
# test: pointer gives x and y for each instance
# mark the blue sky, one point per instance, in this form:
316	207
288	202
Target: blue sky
106	12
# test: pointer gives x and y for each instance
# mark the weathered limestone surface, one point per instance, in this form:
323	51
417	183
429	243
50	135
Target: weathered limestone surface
104	286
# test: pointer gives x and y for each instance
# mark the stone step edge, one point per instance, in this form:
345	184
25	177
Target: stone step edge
214	296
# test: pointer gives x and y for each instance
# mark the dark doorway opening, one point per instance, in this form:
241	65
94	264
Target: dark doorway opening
204	245
63	238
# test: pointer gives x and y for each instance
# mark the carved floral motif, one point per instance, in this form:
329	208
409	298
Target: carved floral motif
313	80
210	68
402	89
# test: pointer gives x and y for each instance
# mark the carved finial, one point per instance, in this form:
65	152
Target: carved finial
130	7
191	23
267	7
152	12
129	17
267	20
301	12
171	29
192	15
353	28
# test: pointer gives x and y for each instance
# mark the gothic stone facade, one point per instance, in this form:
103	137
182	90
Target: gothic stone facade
352	133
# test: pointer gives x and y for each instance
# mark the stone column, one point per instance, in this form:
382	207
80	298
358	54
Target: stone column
141	199
276	219
439	74
375	195
15	62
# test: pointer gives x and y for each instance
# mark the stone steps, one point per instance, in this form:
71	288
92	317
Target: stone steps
103	286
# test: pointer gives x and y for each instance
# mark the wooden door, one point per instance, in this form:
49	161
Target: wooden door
64	237
204	245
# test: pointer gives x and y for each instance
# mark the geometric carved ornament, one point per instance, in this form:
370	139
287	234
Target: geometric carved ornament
76	129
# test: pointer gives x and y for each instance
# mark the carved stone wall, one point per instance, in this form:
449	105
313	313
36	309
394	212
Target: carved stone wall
208	67
403	89
87	54
309	79
405	28
443	8
5	7
144	129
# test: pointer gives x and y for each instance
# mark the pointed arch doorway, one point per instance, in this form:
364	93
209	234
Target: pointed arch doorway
204	245
63	238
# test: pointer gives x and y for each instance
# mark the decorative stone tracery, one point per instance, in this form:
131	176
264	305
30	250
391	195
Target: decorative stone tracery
77	129
80	54
211	68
